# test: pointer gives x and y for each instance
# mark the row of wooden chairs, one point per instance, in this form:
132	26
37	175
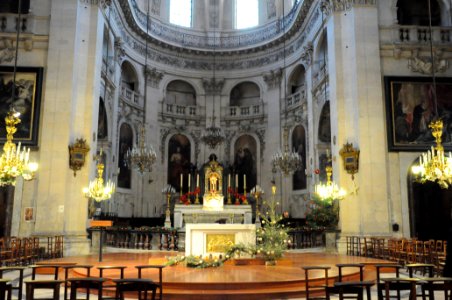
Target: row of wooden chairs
24	251
111	280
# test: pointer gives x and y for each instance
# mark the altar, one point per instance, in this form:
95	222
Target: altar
213	208
231	214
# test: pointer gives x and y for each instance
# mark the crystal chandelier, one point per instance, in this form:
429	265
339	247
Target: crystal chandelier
434	165
213	135
96	189
286	162
329	191
14	161
141	157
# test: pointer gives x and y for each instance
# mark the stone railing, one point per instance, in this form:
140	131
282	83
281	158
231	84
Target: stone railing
415	35
178	110
240	112
320	76
8	23
130	96
296	99
231	39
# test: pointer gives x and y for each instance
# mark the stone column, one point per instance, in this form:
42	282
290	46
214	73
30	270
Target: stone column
69	112
357	115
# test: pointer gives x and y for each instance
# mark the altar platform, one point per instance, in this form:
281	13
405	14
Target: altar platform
195	213
235	281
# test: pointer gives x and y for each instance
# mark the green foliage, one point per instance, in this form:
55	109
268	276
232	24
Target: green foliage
323	213
272	237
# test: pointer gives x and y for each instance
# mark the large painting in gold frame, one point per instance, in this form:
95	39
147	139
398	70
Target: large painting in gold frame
27	101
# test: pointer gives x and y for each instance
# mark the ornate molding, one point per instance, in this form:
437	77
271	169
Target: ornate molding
424	65
344	5
273	78
153	76
306	55
261	135
6	50
120	52
325	7
213	86
104	3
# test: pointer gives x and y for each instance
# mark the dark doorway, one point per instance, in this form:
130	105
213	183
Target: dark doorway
430	208
6	209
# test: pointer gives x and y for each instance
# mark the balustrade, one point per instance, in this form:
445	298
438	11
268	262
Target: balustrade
8	23
240	112
296	98
130	96
178	110
411	34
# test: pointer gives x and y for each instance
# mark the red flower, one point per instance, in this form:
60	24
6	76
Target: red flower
317	171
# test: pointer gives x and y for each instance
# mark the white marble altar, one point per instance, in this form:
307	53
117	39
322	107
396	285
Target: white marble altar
235	214
206	239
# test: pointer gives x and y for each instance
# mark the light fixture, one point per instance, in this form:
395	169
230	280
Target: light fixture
434	166
257	192
213	135
14	161
286	162
96	189
329	191
141	157
168	190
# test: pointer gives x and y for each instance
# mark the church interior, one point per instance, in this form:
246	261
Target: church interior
194	127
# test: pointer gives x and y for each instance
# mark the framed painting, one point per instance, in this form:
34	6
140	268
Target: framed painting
411	106
27	101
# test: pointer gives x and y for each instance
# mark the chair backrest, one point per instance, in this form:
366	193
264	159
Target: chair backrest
310	288
346	266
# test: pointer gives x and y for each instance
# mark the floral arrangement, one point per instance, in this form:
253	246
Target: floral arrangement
322	213
237	196
273	237
186	198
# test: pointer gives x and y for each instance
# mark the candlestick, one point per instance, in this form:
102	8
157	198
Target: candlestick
229	180
197	180
244	181
181	179
189	178
236	181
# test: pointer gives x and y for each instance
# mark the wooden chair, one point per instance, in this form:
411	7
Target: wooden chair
20	283
88	284
424	268
66	269
32	285
109	282
395	268
160	282
5	289
54	270
316	290
138	285
432	285
350	289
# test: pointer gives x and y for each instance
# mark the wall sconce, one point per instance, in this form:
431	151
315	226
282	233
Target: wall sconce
350	157
77	154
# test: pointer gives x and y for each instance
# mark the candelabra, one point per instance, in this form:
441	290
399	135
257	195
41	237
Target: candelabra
169	190
141	157
96	189
286	162
257	192
329	191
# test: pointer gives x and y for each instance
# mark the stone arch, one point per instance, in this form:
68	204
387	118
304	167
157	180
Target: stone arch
179	161
429	208
299	145
321	53
245	94
245	161
410	12
126	138
102	121
180	92
324	125
129	77
297	79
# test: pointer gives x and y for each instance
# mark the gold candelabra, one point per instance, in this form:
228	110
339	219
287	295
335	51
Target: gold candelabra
96	189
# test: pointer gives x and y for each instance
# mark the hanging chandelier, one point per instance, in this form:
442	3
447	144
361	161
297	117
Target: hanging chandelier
286	162
14	161
96	189
329	191
213	135
141	157
434	165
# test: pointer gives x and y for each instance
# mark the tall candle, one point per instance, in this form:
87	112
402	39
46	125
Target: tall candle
189	177
197	180
236	180
244	181
181	179
229	180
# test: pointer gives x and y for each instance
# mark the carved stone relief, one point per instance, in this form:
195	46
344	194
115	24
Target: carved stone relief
153	76
271	9
119	49
423	65
273	78
155	8
6	50
213	86
306	55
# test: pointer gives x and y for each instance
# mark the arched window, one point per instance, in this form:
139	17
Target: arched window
102	124
179	149
125	143
245	94
299	145
129	77
415	12
246	13
181	93
181	12
297	80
